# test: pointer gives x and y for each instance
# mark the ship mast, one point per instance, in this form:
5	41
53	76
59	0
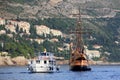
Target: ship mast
79	39
79	45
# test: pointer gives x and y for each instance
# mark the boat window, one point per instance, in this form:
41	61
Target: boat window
47	54
45	62
31	62
49	61
37	61
43	54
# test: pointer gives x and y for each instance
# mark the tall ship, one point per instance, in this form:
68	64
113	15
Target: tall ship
78	57
45	62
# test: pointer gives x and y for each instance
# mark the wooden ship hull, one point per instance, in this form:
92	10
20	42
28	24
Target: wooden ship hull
79	62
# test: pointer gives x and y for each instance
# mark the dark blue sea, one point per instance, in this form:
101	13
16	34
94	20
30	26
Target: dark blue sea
97	73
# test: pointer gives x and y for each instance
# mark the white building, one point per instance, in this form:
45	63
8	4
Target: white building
54	40
25	26
10	35
11	28
2	21
13	22
66	46
93	53
39	40
55	32
97	46
42	29
2	32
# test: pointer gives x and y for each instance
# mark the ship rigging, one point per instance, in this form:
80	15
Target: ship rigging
78	58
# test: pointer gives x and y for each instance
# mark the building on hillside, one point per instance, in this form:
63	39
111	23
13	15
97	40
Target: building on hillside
25	26
54	40
2	32
42	29
97	46
66	46
39	40
117	42
2	21
60	49
13	22
11	28
10	35
93	53
55	32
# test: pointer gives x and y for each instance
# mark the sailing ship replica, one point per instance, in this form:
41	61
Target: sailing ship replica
78	58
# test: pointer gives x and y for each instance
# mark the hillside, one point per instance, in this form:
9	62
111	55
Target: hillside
105	34
57	8
103	17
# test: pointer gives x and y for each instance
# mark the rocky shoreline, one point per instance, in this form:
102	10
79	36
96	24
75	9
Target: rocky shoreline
17	61
22	61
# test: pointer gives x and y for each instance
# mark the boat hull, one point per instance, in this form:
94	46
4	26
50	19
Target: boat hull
41	70
80	68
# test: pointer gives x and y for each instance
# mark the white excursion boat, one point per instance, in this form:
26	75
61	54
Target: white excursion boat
45	62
